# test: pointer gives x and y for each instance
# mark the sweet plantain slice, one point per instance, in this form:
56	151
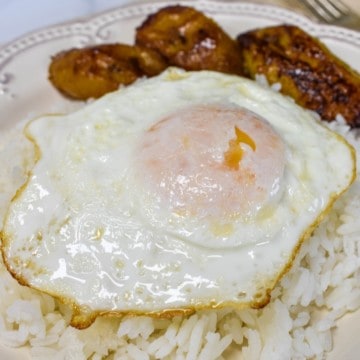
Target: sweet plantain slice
190	40
94	71
306	70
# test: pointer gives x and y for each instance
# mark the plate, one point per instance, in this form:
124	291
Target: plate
25	90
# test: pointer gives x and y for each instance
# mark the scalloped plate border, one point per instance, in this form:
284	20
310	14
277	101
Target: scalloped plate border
91	27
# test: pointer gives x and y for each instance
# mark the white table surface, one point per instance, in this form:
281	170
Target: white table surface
17	17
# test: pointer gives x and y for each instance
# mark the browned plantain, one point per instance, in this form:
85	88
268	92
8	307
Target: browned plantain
94	71
190	40
306	70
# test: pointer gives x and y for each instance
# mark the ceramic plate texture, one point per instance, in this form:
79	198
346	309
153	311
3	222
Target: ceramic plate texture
25	90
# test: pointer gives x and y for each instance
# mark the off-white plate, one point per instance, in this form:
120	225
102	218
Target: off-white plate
25	90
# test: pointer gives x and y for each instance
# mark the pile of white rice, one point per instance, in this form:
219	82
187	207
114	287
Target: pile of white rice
322	286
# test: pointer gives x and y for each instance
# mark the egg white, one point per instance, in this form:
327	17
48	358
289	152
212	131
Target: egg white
86	229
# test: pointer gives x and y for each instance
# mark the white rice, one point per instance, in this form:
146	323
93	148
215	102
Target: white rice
298	323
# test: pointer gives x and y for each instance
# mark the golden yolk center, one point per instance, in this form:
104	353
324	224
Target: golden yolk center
211	161
234	154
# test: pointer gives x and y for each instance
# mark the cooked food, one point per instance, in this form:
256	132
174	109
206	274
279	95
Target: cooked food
188	39
94	71
188	191
306	70
184	37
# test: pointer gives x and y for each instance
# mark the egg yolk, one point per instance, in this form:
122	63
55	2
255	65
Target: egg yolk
212	161
233	156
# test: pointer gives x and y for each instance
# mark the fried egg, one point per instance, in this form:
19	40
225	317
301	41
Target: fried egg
187	191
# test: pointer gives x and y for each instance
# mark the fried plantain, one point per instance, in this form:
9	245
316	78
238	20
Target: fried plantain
188	39
306	69
94	71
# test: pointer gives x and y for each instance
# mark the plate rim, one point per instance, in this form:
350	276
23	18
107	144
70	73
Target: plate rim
91	26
